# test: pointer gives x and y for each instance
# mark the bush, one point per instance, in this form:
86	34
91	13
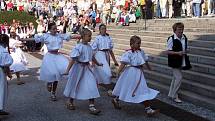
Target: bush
23	17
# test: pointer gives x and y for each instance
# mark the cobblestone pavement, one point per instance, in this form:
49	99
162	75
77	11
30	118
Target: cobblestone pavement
30	102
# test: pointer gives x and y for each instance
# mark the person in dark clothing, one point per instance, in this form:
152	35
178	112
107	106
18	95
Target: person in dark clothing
177	4
147	9
75	7
177	59
93	6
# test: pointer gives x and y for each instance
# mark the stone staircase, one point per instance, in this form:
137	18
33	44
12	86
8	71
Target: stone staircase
199	82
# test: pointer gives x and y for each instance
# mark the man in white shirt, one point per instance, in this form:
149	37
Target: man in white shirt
176	50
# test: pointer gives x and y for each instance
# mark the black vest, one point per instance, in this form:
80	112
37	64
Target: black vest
175	61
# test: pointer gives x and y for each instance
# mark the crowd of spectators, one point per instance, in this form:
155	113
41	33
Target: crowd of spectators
73	15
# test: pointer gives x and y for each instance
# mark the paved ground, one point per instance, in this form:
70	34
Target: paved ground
30	102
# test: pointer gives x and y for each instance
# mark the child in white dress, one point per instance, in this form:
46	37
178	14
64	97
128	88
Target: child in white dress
82	83
131	85
5	61
54	63
19	60
103	46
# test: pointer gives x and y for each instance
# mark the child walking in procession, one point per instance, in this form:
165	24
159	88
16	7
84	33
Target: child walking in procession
131	86
54	63
82	83
103	46
5	61
19	60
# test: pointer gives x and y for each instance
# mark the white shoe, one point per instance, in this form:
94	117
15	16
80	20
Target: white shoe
109	92
177	100
151	112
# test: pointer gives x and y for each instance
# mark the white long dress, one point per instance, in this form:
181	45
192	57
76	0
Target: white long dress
101	46
53	65
81	83
19	59
127	84
5	60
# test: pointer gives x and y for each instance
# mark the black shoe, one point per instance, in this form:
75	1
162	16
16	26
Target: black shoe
3	112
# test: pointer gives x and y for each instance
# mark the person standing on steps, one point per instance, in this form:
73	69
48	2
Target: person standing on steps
177	59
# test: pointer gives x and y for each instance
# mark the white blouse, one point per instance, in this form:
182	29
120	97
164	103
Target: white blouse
102	42
5	58
82	53
135	58
53	42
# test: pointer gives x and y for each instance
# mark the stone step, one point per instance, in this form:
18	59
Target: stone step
192	76
188	85
201	68
155	27
144	44
165	34
185	95
126	37
189	75
193	50
158	52
163	60
187	22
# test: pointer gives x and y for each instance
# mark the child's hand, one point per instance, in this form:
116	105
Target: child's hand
77	37
66	73
181	53
100	64
93	64
117	75
133	94
9	75
116	64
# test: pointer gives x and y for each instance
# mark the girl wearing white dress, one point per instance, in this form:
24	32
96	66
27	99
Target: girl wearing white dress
54	63
19	60
5	61
82	83
103	46
131	85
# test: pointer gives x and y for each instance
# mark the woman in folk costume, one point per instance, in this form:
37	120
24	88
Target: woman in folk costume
103	46
19	60
54	63
82	83
5	61
131	85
